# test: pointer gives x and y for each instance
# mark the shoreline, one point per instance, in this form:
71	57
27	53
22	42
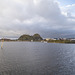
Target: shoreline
62	42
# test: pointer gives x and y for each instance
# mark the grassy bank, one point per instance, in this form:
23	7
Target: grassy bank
60	41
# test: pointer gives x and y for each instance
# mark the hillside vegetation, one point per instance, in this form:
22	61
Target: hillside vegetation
35	37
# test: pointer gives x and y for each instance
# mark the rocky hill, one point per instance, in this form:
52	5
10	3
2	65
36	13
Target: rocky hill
35	37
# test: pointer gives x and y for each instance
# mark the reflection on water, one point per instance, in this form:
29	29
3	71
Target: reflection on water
34	58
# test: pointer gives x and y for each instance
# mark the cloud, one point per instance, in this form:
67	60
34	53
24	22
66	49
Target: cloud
46	17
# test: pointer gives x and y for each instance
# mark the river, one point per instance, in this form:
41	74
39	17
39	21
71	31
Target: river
36	58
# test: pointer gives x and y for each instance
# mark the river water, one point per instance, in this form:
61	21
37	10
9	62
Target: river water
35	58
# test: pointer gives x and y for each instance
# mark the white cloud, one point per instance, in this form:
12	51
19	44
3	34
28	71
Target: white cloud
31	16
68	9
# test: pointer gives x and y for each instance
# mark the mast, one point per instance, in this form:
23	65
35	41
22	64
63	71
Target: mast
2	43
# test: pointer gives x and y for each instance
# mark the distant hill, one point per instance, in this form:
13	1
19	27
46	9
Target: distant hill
35	37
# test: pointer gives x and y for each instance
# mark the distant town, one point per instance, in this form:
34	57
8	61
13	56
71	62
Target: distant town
60	40
38	38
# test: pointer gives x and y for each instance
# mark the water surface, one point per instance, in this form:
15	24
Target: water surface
35	58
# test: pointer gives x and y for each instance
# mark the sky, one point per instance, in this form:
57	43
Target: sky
66	2
49	18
